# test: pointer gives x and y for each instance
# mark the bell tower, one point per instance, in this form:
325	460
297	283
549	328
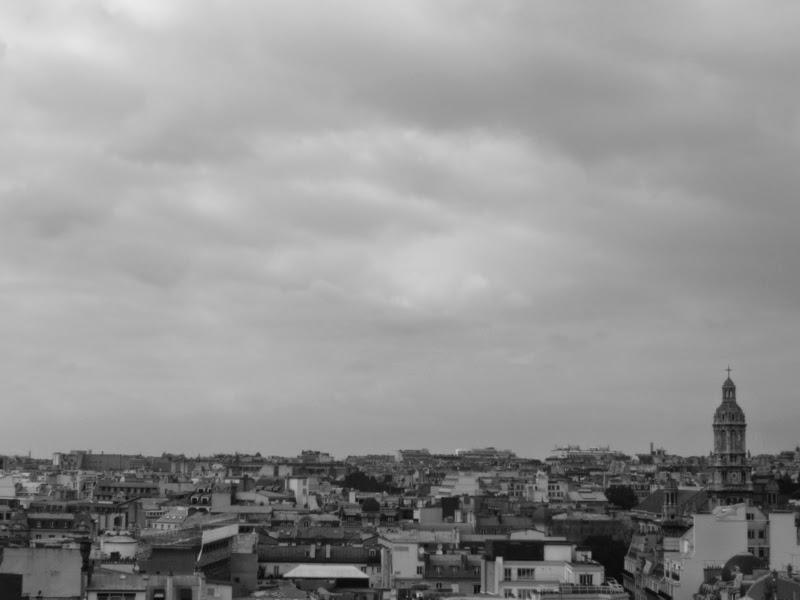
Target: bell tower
729	470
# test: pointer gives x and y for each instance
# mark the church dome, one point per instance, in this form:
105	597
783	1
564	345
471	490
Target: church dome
729	412
728	383
746	562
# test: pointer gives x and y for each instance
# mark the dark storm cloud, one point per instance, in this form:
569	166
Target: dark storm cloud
343	217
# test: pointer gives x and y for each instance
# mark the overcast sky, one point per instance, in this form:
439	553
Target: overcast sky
364	226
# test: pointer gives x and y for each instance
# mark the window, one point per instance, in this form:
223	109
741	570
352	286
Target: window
419	570
761	552
372	552
585	579
761	534
438	585
508	593
526	573
750	534
750	516
507	575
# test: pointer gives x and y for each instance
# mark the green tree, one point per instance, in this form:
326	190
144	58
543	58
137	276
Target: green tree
622	496
786	485
362	482
608	552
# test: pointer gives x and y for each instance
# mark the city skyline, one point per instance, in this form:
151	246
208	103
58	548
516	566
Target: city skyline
573	444
407	224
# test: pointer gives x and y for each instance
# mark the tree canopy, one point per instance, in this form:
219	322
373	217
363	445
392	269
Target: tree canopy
362	482
622	496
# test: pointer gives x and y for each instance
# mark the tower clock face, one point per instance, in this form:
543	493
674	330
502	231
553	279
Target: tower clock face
735	477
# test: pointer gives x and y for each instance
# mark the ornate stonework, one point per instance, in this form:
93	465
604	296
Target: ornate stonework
729	468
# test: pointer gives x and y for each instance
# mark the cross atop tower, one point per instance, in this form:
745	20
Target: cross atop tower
729	371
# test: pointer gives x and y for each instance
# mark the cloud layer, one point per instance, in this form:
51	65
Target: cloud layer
361	226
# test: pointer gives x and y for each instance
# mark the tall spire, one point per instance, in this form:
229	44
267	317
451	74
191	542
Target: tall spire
729	470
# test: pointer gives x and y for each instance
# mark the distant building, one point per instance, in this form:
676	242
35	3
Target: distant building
413	455
673	563
489	454
686	535
575	452
118	491
8	492
530	569
53	572
281	551
189	551
107	585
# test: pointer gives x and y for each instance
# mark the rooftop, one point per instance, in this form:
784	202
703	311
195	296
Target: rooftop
326	572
